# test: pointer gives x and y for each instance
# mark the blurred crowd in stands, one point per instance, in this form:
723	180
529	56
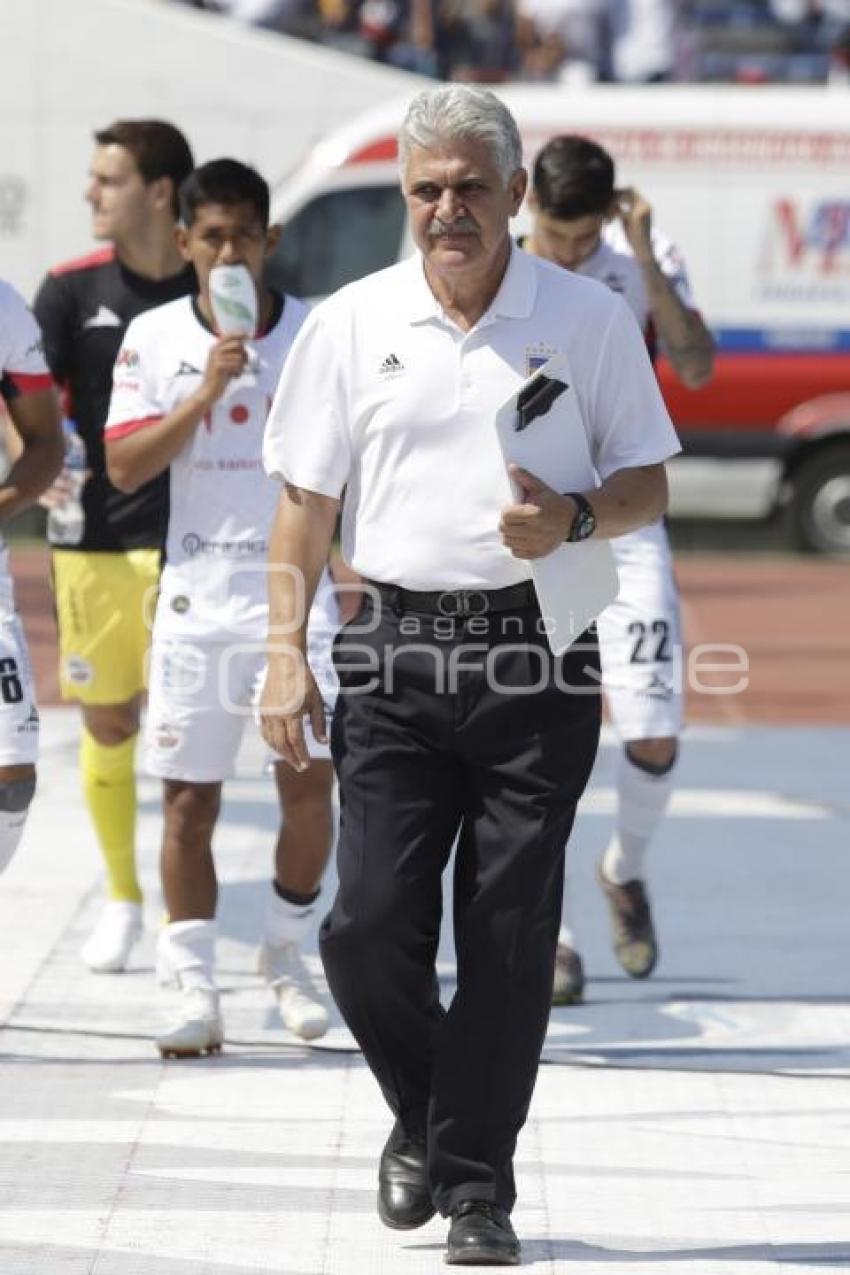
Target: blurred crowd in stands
621	41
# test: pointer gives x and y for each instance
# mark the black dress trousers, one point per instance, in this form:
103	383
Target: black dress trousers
444	729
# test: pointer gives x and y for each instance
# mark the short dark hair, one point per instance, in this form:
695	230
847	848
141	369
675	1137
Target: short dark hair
158	148
573	177
224	181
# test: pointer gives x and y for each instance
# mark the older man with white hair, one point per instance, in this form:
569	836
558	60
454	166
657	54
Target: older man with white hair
456	721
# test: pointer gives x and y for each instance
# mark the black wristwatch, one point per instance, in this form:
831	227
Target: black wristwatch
584	522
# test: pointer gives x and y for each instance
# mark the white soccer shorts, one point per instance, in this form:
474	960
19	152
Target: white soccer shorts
640	641
202	693
18	713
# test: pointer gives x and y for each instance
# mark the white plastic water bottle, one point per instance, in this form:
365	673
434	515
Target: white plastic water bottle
233	298
66	522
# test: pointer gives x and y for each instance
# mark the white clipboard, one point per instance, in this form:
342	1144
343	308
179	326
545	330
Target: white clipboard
576	582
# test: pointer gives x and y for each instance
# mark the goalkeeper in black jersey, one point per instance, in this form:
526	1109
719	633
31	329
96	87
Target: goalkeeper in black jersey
105	584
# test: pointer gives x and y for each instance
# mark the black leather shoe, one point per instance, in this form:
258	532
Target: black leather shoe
481	1235
404	1197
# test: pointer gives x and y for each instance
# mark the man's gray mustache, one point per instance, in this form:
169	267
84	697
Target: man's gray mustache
463	226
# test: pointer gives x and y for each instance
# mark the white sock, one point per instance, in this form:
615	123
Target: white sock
188	948
286	922
643	799
566	934
567	938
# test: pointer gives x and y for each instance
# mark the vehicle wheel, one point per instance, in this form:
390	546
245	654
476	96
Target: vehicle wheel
820	503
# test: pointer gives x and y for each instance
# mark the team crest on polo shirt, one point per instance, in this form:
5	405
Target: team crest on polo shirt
536	356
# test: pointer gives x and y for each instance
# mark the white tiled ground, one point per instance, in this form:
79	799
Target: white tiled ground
696	1124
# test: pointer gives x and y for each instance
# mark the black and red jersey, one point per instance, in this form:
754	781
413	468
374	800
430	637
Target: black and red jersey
84	308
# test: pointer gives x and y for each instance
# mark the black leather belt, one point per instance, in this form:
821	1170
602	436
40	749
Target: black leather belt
458	602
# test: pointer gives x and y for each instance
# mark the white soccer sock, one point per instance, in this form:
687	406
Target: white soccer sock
567	938
643	799
286	922
566	934
188	950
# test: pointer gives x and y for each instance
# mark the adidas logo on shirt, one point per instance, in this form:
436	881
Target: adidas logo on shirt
391	366
186	369
105	318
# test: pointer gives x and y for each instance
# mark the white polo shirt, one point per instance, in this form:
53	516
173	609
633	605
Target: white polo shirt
385	396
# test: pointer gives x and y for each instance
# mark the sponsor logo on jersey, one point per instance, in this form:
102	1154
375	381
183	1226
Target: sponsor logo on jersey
104	318
166	737
250	463
391	366
227	464
194	544
239	414
77	671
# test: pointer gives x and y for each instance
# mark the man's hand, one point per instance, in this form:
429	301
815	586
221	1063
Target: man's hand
227	360
290	694
636	215
685	339
136	458
540	522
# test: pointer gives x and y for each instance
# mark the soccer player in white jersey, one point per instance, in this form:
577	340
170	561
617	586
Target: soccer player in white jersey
583	222
195	403
35	442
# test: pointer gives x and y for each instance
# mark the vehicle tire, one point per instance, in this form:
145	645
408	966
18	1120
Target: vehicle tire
820	502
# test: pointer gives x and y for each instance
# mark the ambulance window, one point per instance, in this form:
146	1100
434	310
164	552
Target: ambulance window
339	236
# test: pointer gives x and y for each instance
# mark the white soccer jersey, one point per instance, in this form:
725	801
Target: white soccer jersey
23	370
640	635
221	503
22	365
615	265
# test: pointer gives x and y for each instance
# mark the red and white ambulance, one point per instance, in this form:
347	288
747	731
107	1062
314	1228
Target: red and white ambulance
753	185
